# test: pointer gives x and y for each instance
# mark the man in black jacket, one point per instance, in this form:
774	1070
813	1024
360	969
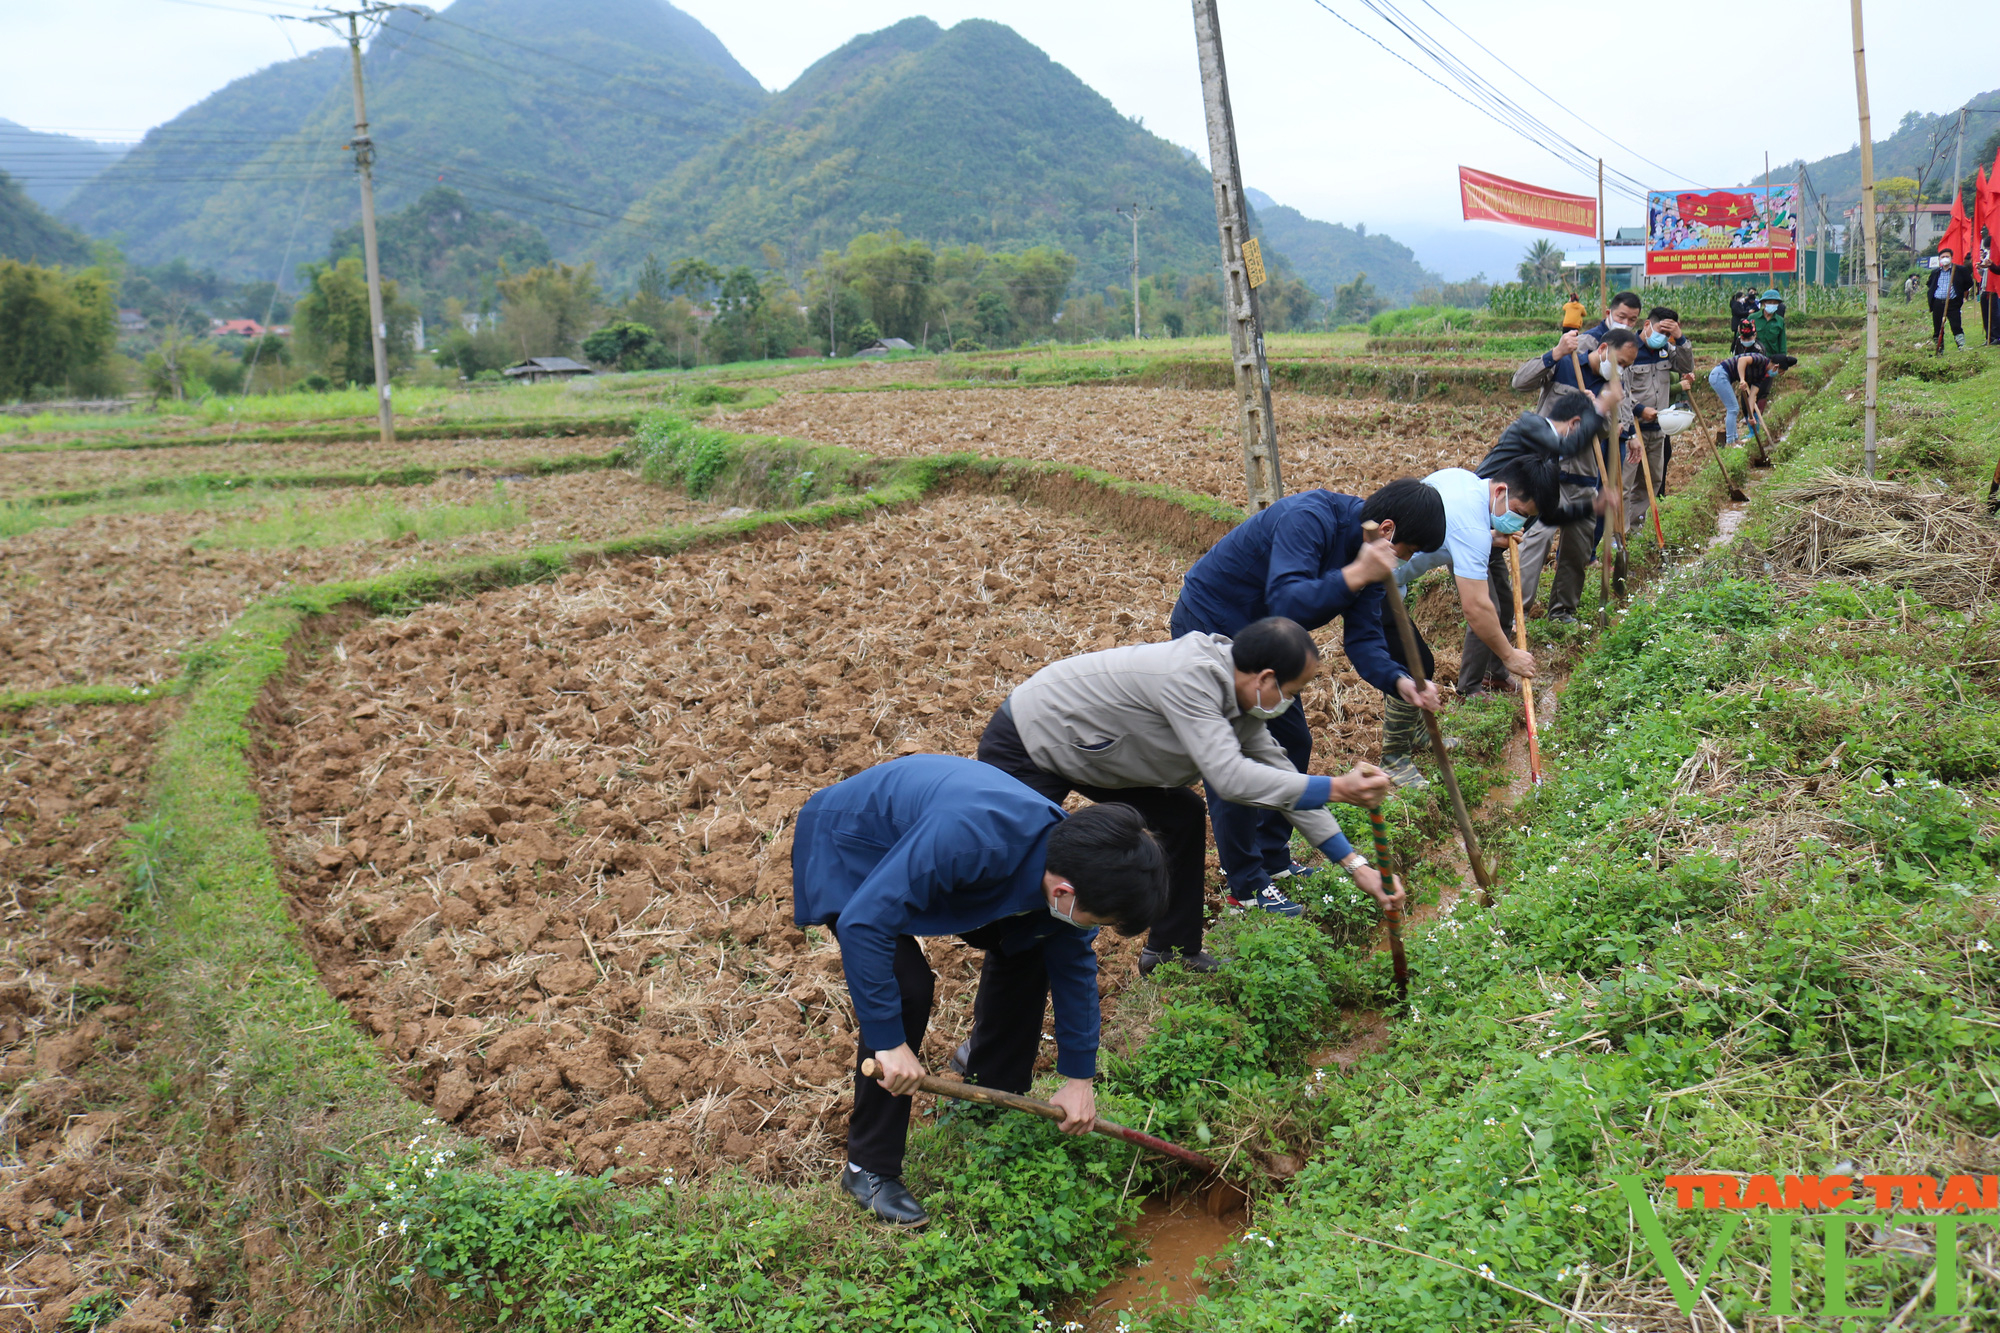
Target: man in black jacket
1949	285
1544	441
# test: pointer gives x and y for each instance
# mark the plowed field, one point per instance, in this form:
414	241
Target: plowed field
541	838
1177	437
39	473
88	1200
115	597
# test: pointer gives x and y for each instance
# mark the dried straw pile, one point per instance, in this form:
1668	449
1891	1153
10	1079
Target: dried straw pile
1941	546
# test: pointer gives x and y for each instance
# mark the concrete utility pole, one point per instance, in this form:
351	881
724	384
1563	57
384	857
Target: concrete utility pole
364	161
1870	256
1242	271
1822	242
1133	212
1770	258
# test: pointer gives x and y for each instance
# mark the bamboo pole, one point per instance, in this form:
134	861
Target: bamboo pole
1871	256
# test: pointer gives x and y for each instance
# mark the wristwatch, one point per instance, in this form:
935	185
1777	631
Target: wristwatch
1352	862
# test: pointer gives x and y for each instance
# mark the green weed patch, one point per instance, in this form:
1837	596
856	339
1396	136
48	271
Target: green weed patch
297	525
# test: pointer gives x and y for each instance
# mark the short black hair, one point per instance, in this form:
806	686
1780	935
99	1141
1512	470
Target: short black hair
1568	405
1273	644
1417	511
1531	478
1626	299
1660	312
1617	338
1116	866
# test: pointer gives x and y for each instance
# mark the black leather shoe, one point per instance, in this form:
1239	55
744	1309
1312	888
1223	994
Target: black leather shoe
1203	961
884	1196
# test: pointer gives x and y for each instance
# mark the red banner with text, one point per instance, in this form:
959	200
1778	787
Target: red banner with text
1497	199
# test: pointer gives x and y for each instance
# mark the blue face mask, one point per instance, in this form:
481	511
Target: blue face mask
1507	522
1656	341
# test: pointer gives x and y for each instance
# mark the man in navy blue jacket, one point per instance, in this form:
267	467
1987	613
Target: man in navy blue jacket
1303	559
935	845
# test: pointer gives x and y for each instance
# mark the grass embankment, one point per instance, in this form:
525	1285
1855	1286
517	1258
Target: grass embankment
1745	930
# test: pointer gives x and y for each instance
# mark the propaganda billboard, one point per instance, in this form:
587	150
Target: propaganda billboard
1697	232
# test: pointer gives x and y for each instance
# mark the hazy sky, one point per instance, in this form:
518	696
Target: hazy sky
1327	121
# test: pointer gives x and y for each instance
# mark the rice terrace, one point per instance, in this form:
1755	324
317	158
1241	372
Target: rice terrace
797	753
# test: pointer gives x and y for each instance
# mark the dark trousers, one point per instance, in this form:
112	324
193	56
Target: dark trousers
1477	661
1941	310
1254	844
1172	813
1006	1035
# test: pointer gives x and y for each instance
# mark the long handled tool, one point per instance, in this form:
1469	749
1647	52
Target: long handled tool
1413	662
1604	479
1736	496
1521	642
1014	1101
1652	496
1393	917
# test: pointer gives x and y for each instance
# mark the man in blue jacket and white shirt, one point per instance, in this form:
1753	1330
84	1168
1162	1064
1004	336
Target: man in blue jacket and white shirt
1303	559
936	845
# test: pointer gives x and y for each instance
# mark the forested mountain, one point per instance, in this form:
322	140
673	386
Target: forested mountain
1903	153
1327	254
27	232
967	134
50	167
560	111
441	248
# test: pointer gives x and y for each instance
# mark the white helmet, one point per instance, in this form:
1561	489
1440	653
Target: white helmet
1674	420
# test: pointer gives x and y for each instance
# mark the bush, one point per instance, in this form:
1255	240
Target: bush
675	451
318	383
968	345
627	345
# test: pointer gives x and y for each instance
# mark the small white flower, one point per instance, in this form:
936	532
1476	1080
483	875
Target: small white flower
1401	1227
1346	1318
1981	946
1489	1122
1578	1208
1485	1272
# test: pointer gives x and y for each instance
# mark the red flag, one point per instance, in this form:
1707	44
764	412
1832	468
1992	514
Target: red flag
1957	237
1717	208
1498	199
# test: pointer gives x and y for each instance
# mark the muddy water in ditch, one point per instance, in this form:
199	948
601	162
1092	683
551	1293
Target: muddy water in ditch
1177	1235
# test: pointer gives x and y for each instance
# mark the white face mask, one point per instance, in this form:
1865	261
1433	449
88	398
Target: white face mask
1263	714
1066	920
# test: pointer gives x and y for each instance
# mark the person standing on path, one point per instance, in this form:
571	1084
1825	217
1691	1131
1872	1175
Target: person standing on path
1949	284
1303	559
1138	725
937	845
1664	354
1768	323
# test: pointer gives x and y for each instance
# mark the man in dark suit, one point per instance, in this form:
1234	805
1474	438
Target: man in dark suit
935	845
1949	283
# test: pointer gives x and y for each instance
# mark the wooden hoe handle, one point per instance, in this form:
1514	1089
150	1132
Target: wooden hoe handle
1014	1101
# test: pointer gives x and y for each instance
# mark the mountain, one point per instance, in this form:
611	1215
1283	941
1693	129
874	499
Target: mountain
28	233
1903	153
959	135
50	167
560	112
442	248
1328	254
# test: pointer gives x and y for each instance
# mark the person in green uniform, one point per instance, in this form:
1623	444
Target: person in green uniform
1769	321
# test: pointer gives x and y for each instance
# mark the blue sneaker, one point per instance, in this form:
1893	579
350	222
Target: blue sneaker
1270	899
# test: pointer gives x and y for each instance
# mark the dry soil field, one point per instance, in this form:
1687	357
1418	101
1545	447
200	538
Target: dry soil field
541	839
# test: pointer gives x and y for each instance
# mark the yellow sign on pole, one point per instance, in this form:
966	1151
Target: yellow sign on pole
1253	263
